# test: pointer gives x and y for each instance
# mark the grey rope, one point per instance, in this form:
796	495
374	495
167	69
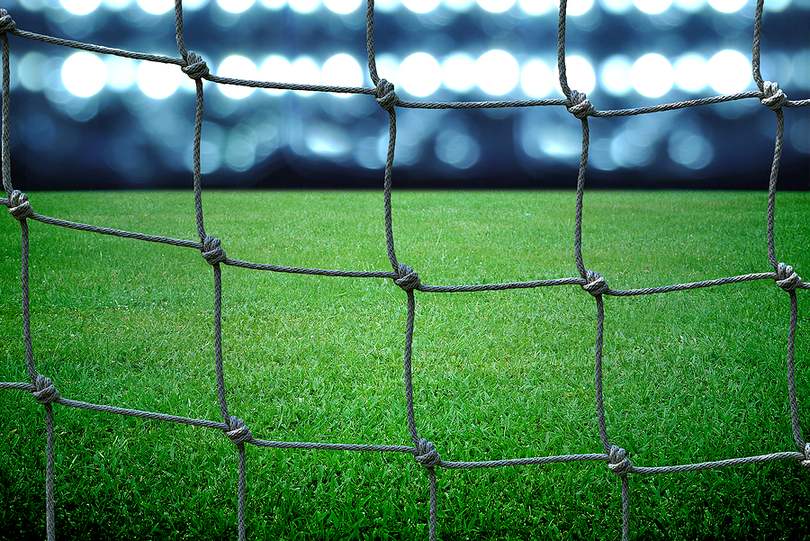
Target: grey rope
423	450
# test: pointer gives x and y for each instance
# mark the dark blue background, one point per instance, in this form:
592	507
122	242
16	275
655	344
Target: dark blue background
120	137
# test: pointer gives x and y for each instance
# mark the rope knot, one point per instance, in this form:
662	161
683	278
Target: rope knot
7	24
618	461
806	461
212	250
580	106
426	454
385	95
44	390
786	277
195	67
18	205
596	284
237	430
407	278
773	97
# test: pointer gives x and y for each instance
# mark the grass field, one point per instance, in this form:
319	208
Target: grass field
689	376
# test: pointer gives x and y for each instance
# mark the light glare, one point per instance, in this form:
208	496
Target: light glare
729	71
80	7
84	74
238	67
158	81
420	74
497	72
652	75
536	79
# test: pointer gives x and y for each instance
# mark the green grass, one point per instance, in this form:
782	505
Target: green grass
689	376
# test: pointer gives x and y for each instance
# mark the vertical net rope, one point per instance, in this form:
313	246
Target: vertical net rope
423	450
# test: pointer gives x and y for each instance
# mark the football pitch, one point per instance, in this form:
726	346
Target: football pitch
688	376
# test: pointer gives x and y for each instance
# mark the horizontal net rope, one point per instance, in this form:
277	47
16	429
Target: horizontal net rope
423	450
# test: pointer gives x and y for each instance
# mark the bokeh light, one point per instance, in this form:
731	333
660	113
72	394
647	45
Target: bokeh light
80	7
690	72
235	6
458	72
727	6
653	7
496	6
537	79
652	75
277	69
729	71
342	7
342	70
84	74
420	74
238	67
158	81
497	72
615	75
304	6
421	6
156	7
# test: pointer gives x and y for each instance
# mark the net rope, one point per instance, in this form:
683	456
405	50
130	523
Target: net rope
423	450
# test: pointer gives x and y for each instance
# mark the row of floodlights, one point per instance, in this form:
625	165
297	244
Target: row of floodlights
419	75
345	7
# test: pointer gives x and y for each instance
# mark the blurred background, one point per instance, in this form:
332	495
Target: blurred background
86	121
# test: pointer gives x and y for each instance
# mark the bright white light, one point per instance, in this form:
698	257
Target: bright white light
497	72
617	6
342	70
158	81
580	73
727	6
235	6
458	72
537	7
421	74
277	69
342	7
729	71
120	72
652	75
84	74
690	72
275	5
304	6
305	71
653	7
80	7
156	7
690	6
578	7
237	67
536	79
614	75
496	6
421	6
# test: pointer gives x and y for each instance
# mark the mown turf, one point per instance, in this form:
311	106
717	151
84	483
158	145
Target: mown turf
688	376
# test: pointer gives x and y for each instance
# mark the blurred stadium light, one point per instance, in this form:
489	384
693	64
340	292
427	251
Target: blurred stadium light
85	109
